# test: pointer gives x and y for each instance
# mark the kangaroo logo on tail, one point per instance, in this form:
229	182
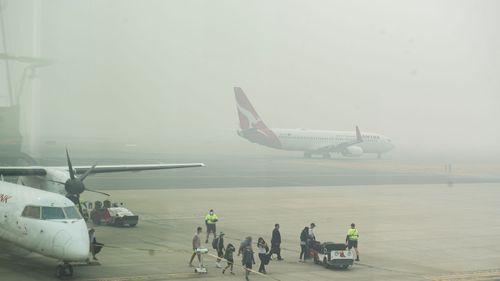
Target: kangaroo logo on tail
248	116
251	125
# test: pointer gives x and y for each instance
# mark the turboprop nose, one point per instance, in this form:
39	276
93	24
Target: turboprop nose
76	250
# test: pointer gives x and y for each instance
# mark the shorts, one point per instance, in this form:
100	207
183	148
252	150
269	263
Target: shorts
211	228
248	265
230	261
352	243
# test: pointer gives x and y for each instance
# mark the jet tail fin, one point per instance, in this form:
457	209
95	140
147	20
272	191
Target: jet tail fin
249	119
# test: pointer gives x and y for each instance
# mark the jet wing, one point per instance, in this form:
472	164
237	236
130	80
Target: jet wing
341	146
133	168
41	171
23	171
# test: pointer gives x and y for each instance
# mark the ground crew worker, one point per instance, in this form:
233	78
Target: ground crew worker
210	220
352	239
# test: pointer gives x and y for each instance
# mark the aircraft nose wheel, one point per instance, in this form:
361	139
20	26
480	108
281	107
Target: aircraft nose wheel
64	270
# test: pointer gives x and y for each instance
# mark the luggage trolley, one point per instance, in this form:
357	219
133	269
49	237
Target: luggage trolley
201	269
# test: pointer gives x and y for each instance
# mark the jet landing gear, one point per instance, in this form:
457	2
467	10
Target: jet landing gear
64	270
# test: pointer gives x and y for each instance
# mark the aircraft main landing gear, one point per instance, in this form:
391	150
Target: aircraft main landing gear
64	270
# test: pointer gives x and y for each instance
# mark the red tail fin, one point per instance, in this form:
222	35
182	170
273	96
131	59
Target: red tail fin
247	114
252	127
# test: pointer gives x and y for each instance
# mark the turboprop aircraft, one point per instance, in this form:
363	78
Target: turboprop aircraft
64	180
33	220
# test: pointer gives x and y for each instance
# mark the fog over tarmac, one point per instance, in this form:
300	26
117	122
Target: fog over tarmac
160	74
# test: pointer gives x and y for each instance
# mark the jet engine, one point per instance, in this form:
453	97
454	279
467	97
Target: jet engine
352	151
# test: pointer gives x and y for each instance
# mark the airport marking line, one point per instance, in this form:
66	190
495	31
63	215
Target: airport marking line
159	276
477	275
167	250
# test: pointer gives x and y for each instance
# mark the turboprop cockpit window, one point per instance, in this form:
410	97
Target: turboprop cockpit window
52	213
31	212
72	213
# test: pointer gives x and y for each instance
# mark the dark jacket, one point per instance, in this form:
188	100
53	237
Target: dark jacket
276	238
220	244
229	252
248	256
304	235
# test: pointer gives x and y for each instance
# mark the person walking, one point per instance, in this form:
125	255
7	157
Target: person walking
196	243
304	236
276	242
218	244
263	256
352	239
95	247
210	220
229	258
244	243
248	260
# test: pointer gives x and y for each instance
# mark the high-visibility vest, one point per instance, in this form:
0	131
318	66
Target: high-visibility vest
211	219
352	234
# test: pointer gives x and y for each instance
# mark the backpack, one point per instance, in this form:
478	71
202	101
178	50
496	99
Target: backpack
215	243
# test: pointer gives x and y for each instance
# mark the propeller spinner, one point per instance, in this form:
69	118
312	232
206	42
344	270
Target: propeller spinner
74	186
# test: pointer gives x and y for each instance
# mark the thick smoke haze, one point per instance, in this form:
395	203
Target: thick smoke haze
153	73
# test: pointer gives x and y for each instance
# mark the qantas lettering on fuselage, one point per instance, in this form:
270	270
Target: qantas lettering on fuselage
4	198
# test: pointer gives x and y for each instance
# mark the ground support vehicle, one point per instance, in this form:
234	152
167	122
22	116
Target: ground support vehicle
333	255
117	215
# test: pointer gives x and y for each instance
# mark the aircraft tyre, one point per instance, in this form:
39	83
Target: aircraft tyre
68	269
64	270
59	271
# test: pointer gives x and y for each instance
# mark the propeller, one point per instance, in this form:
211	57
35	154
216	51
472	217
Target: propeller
74	186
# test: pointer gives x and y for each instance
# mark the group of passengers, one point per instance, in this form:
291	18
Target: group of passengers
265	253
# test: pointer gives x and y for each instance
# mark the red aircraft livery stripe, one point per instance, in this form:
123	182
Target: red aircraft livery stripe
4	198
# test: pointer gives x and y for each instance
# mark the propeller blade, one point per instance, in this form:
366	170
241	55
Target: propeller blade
70	166
82	177
104	193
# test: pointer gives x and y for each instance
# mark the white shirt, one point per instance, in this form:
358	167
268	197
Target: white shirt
311	234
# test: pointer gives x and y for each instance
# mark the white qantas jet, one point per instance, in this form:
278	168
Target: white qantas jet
311	142
64	180
33	220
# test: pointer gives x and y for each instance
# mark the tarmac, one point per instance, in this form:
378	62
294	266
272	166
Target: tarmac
407	232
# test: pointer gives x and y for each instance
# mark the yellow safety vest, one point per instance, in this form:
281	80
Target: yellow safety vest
352	234
211	219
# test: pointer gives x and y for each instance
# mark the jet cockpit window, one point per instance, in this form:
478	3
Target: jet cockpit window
52	213
31	212
72	213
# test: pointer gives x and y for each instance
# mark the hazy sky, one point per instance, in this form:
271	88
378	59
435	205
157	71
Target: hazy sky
425	73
